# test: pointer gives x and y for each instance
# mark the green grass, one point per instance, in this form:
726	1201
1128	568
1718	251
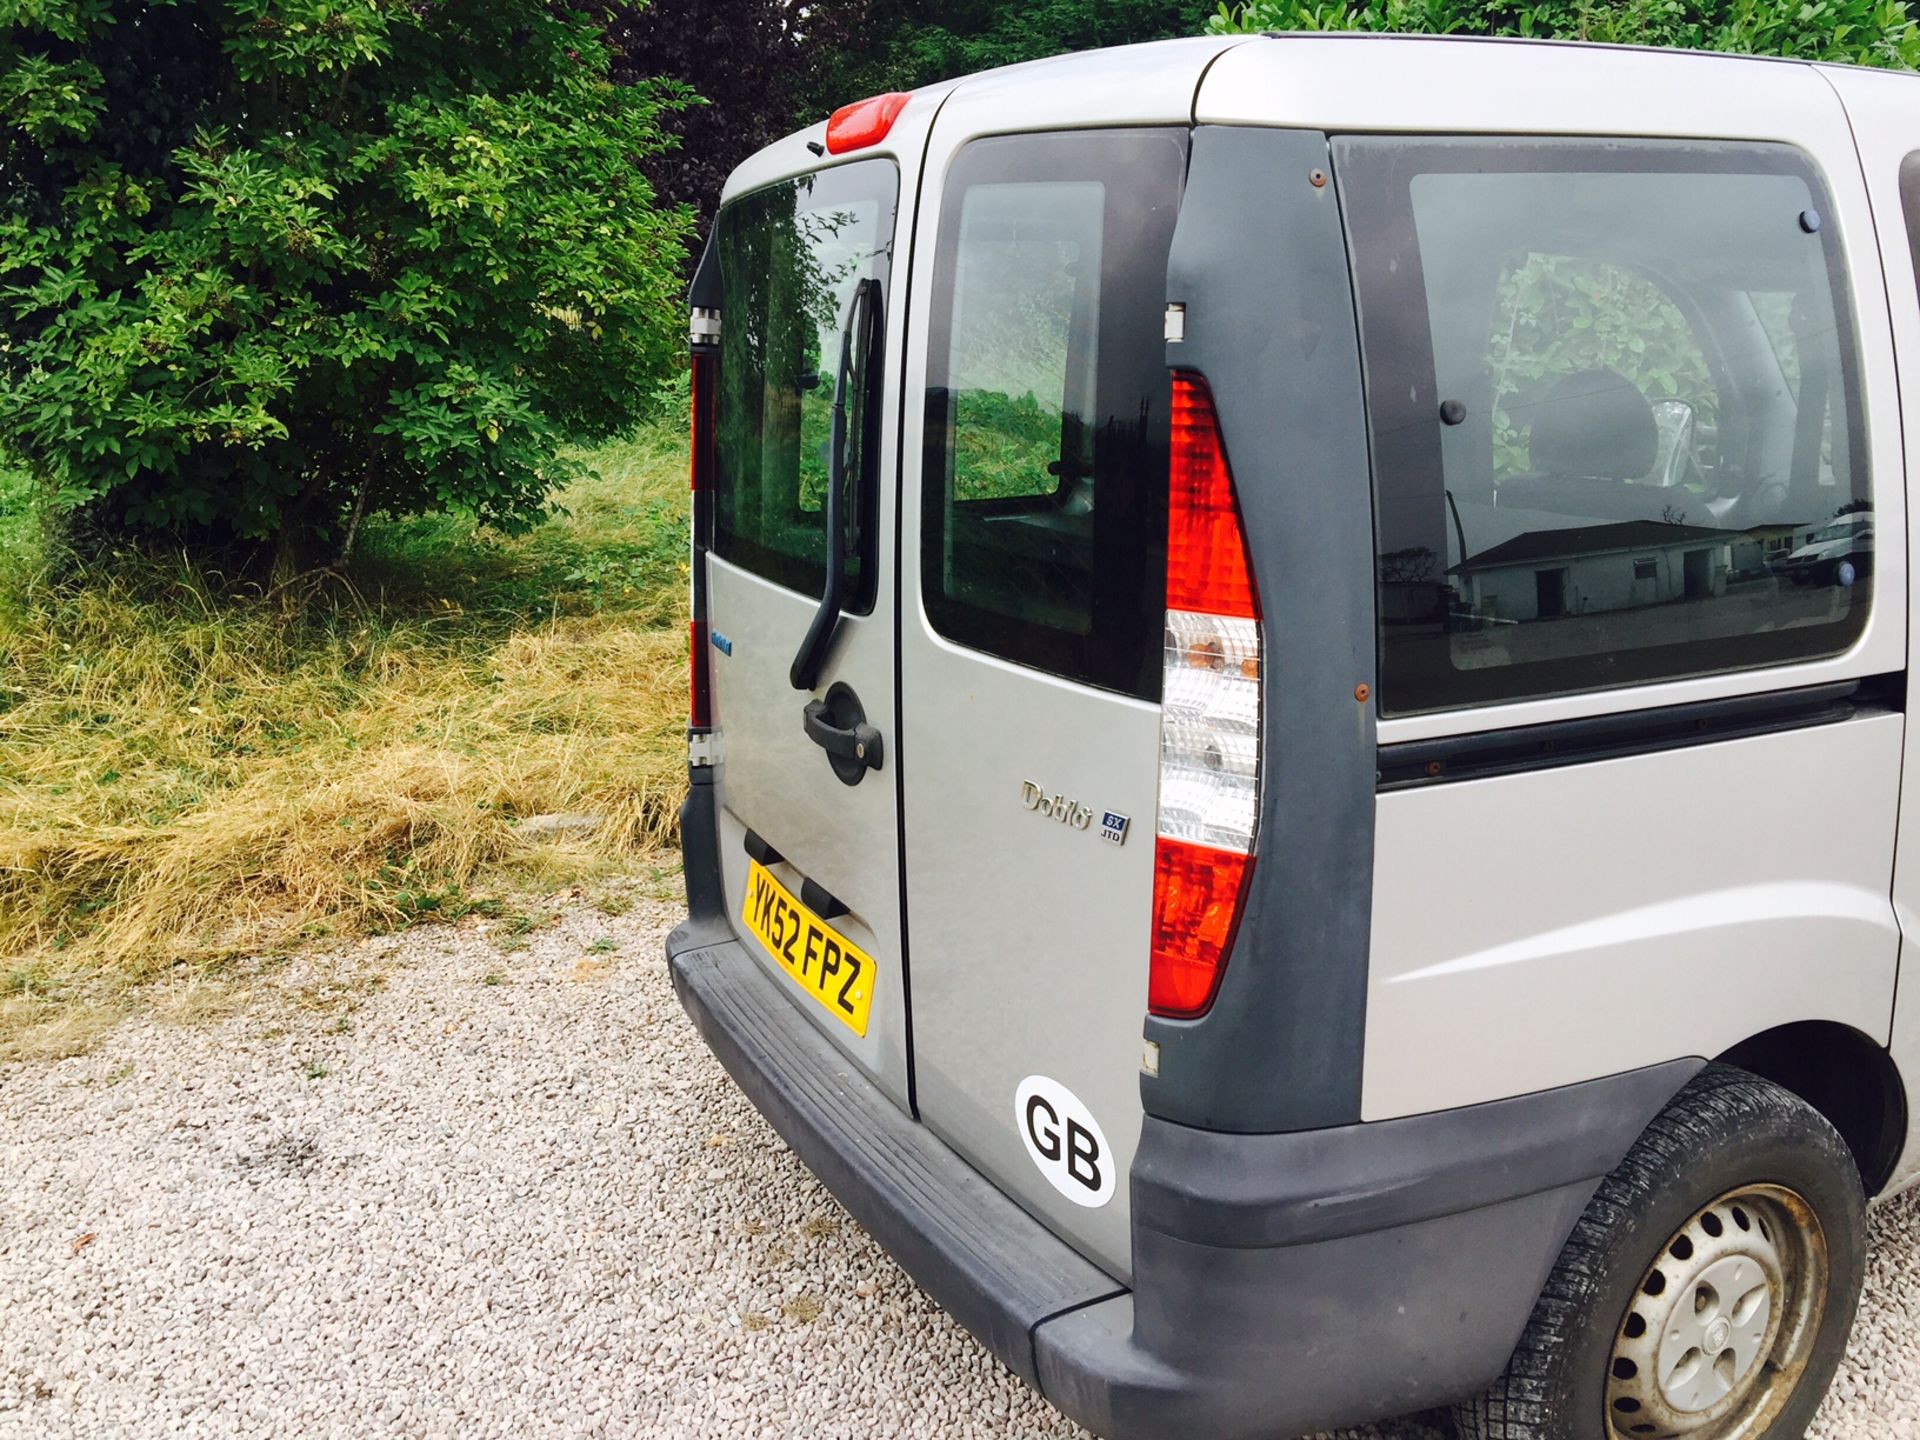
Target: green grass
192	771
22	550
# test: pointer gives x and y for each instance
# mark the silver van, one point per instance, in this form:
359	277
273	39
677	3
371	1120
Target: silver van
1268	808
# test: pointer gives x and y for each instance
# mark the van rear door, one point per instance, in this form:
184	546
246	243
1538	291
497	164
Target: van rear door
1033	541
807	388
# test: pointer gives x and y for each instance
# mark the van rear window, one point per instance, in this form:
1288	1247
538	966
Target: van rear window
790	258
1615	414
1044	508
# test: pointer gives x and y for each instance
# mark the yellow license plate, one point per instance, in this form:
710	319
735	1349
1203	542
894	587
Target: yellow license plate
832	970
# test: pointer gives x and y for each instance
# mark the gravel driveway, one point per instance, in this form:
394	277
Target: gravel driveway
432	1188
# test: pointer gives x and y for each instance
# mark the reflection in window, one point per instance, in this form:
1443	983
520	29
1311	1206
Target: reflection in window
790	257
1024	345
1650	348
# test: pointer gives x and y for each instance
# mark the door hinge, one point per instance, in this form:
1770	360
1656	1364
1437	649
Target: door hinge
703	747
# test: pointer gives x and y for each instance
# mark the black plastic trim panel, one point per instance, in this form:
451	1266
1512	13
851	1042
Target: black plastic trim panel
1528	748
1294	1283
1255	1191
700	856
1259	261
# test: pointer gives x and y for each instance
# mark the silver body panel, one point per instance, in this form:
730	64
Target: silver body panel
1538	929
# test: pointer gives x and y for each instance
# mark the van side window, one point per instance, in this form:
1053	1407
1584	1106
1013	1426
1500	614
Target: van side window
1615	414
1044	503
791	255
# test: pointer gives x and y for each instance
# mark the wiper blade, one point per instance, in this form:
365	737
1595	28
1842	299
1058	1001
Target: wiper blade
805	673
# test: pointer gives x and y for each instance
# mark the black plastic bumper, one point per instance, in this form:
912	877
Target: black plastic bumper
1281	1283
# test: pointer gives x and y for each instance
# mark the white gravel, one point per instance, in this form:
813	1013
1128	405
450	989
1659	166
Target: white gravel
434	1189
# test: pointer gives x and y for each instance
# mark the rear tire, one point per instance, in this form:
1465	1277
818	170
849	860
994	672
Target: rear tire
1708	1290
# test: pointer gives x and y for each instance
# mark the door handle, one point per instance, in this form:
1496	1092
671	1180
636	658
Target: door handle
859	743
838	725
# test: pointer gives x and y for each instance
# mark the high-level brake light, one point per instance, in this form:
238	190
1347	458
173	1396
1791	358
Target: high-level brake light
1209	717
865	122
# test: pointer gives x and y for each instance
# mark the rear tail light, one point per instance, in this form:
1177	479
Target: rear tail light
1209	717
705	362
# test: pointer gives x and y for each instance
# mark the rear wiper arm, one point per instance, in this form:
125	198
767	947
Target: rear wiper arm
805	673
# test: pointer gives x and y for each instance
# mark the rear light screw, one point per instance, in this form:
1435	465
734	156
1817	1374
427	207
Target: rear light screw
1362	691
1317	178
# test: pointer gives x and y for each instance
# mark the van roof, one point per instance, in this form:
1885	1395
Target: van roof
1536	42
1523	49
1106	83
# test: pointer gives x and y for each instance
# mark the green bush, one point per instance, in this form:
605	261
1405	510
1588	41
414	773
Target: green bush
268	266
20	525
1864	32
901	44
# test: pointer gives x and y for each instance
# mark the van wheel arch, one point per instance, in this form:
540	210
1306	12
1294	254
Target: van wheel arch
1845	1075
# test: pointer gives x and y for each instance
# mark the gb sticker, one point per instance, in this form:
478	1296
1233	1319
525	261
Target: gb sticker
1064	1140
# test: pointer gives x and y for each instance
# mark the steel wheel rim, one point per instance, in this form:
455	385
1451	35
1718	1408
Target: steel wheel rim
1723	1322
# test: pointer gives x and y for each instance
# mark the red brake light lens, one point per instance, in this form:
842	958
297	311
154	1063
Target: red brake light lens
699	660
1196	909
1207	566
1209	718
865	122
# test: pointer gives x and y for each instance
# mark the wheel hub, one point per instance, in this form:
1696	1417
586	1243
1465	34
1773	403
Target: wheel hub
1717	1326
1722	1321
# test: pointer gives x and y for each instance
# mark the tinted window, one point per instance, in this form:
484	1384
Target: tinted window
1047	397
790	258
1645	353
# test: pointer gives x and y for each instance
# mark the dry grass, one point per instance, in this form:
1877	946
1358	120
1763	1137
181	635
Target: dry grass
189	776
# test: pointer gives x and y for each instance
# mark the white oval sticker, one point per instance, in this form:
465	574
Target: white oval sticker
1064	1140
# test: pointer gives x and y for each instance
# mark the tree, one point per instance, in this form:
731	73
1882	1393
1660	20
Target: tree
1865	32
769	67
902	44
267	266
751	62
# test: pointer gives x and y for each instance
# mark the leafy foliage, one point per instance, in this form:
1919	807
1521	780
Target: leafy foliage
20	535
1865	32
751	61
901	44
267	266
